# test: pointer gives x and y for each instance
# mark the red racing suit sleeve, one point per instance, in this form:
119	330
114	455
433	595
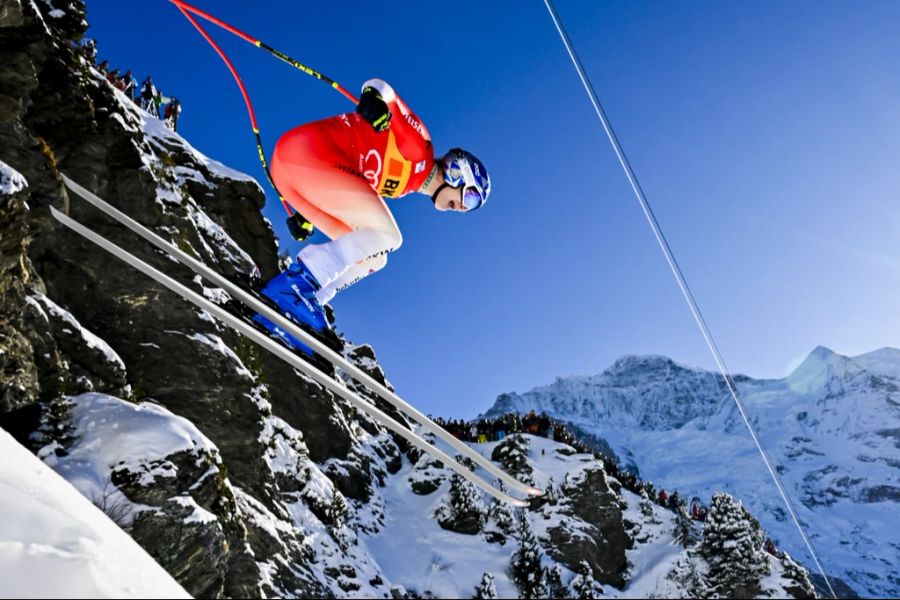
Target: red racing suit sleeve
409	135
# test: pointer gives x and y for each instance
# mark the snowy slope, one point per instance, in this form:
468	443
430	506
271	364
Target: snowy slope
416	553
47	527
831	428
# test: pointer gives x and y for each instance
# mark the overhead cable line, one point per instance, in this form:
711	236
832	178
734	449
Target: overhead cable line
680	279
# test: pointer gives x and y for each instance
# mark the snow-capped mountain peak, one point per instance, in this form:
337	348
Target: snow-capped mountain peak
819	368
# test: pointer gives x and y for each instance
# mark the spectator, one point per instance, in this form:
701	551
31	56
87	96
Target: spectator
89	49
130	87
148	93
173	108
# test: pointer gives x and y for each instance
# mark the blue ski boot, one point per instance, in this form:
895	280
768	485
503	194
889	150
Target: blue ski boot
294	292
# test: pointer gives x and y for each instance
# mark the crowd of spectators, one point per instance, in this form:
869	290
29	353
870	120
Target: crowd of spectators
494	429
147	96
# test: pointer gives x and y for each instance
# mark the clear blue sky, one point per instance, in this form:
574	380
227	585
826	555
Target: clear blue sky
766	135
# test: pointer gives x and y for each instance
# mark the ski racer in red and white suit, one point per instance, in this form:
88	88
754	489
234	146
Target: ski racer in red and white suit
334	172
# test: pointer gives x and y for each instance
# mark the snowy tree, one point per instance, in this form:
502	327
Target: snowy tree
465	461
803	587
732	545
583	585
551	492
685	532
555	586
501	522
527	572
336	513
512	453
463	511
486	589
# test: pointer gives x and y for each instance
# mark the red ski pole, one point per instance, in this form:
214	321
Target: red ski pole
186	9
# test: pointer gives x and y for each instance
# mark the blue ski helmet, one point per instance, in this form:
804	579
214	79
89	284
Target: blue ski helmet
463	170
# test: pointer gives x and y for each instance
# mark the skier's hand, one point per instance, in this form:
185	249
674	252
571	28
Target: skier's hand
374	109
299	227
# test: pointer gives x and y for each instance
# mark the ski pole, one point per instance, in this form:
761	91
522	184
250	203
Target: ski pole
260	44
186	9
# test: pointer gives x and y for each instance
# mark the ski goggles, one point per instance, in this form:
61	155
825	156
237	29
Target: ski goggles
472	198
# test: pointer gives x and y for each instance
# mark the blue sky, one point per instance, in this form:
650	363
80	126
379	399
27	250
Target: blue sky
765	135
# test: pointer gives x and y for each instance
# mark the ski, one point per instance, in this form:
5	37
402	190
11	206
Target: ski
253	302
284	353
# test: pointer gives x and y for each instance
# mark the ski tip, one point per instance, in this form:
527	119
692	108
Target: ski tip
519	503
535	491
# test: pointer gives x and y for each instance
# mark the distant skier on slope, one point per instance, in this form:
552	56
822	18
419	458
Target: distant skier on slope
335	172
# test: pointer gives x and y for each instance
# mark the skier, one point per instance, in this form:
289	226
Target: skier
335	174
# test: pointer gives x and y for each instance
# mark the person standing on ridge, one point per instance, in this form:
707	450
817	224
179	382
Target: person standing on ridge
335	173
148	92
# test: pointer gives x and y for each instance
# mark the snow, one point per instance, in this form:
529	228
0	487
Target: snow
11	181
41	15
92	340
199	514
47	527
113	433
161	137
885	361
413	550
219	345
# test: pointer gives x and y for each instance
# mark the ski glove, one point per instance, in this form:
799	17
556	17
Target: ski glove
299	227
374	110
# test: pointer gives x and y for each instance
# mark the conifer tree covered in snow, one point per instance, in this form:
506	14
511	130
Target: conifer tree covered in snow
804	587
463	511
527	572
486	589
512	452
501	522
733	547
583	585
337	510
685	532
555	586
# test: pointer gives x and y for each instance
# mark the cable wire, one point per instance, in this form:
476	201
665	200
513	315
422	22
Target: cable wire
680	279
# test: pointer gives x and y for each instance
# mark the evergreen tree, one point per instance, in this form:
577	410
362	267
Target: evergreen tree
463	511
685	532
732	545
503	520
803	587
583	585
337	510
527	572
56	429
512	453
486	589
551	493
555	586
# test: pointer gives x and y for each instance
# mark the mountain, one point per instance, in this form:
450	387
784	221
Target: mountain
831	427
